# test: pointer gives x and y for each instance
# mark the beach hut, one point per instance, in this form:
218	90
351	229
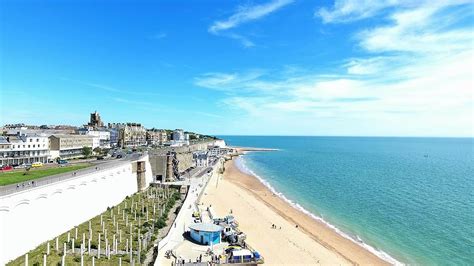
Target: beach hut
205	233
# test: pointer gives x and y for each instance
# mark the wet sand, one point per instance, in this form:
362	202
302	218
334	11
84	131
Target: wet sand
257	209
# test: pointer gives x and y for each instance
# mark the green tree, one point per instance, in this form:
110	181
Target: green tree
98	150
86	151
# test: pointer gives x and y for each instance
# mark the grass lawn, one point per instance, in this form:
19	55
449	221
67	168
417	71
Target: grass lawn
18	176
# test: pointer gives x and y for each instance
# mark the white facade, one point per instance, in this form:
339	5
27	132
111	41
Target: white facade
22	148
28	218
102	137
201	159
96	142
178	135
179	138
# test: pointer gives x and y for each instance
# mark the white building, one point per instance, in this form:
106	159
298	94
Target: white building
69	146
216	151
179	138
178	135
201	159
23	148
101	137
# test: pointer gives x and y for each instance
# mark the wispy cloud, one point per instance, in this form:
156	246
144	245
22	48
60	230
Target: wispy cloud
416	61
352	10
425	29
245	14
208	114
158	36
111	89
128	101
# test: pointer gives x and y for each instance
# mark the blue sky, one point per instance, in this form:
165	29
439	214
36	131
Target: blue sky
272	67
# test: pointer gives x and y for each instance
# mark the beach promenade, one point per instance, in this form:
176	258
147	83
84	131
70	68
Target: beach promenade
197	183
296	238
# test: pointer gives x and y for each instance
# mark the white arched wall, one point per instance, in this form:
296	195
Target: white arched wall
31	217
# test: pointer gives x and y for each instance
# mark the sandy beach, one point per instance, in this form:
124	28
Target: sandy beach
257	209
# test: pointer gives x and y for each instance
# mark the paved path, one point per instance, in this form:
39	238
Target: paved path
98	167
176	234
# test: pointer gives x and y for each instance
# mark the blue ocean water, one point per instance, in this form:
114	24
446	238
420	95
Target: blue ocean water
412	198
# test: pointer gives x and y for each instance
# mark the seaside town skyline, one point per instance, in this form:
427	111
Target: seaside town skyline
275	67
236	132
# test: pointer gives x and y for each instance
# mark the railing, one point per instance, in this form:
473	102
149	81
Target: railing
31	184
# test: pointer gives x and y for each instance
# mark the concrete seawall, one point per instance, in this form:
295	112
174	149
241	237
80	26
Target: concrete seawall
31	217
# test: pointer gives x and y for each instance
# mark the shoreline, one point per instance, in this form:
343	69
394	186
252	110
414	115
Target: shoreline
243	150
314	227
380	254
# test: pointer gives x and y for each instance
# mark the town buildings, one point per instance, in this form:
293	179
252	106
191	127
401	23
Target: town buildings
201	159
23	148
179	138
114	136
18	142
130	134
156	137
101	136
69	146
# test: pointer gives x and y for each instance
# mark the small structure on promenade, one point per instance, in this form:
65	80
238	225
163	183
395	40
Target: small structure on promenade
206	233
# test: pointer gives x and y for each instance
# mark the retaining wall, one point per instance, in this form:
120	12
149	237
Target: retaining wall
31	217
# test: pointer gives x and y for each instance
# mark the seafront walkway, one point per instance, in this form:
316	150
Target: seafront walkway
175	236
97	167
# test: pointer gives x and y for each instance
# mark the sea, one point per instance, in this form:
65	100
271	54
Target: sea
409	200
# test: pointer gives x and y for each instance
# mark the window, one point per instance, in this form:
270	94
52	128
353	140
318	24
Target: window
37	140
33	145
23	146
28	146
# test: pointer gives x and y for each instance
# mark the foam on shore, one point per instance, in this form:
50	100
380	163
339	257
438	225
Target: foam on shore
241	165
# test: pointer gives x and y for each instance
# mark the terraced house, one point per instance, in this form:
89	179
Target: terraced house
23	148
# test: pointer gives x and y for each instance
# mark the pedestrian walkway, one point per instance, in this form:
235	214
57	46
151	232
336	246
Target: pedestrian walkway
184	218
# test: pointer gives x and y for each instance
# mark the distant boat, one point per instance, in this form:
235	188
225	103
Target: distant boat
426	155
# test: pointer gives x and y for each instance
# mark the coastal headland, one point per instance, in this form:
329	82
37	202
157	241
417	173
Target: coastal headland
280	232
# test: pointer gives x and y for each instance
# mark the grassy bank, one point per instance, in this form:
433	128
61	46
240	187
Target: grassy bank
18	176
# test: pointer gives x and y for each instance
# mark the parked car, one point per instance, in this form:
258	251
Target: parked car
100	158
19	166
62	162
37	164
7	168
119	156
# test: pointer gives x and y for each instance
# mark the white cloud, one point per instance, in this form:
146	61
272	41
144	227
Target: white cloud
416	78
420	98
423	30
158	36
245	14
366	66
352	10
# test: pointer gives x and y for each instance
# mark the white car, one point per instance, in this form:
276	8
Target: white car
20	166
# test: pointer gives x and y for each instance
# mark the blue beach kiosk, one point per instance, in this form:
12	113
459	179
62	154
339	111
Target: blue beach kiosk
205	233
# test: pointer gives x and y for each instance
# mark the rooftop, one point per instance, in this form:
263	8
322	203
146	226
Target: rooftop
206	227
